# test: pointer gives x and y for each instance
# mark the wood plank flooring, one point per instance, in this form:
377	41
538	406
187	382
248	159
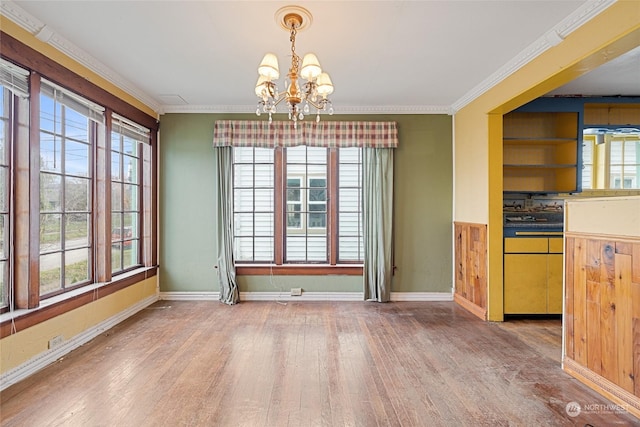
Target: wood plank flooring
310	364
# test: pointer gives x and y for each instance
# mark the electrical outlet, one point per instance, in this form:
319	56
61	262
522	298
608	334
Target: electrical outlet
296	292
56	342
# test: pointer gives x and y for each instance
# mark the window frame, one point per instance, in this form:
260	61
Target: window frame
310	203
279	266
122	211
621	178
601	161
63	173
31	308
6	255
298	202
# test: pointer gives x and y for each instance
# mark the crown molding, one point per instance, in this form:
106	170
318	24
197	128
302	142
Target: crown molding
551	38
38	28
385	109
21	17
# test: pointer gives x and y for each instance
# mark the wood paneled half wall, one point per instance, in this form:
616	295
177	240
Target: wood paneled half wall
471	267
602	315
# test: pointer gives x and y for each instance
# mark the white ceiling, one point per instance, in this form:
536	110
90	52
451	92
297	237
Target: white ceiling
383	56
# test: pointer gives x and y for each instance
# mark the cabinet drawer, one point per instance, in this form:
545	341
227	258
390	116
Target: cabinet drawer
555	245
526	245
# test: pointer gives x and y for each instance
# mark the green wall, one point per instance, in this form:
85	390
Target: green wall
422	208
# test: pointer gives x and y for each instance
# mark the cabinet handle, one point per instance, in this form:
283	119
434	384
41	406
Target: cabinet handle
539	233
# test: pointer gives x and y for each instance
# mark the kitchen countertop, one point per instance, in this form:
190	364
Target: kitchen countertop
532	221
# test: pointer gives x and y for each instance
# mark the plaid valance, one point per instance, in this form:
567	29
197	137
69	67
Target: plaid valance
259	133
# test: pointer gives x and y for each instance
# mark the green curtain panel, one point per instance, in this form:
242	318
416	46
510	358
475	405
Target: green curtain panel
224	226
377	195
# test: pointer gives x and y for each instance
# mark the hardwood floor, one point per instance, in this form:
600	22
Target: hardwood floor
304	364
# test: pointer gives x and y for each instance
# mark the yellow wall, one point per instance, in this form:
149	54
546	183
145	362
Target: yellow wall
54	54
478	126
19	348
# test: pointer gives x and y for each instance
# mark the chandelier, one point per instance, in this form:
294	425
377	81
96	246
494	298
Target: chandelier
299	96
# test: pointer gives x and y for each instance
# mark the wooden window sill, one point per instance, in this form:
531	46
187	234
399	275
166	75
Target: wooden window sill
21	319
299	270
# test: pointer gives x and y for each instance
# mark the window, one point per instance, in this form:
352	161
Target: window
624	162
56	186
319	220
68	126
350	207
14	113
294	203
6	142
611	158
306	240
588	148
253	209
126	143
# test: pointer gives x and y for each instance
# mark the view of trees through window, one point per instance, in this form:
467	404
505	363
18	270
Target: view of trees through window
65	195
125	194
77	185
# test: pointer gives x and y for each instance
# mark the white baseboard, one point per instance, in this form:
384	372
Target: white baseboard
421	296
190	296
44	359
306	296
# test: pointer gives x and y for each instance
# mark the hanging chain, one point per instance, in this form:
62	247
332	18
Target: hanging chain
295	59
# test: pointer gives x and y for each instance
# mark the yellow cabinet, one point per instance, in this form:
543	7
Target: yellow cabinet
533	275
554	283
525	284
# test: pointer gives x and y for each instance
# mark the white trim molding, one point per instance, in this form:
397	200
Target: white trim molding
45	34
422	296
189	296
551	38
306	296
46	358
383	109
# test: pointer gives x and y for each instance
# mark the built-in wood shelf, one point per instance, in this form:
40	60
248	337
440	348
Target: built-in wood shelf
540	152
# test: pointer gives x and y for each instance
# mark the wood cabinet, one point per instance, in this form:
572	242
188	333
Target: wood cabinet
602	114
533	275
540	152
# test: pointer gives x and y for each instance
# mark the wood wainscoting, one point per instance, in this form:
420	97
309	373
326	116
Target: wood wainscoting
471	267
602	315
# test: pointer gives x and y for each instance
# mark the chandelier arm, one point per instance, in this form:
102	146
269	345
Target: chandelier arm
279	99
319	105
